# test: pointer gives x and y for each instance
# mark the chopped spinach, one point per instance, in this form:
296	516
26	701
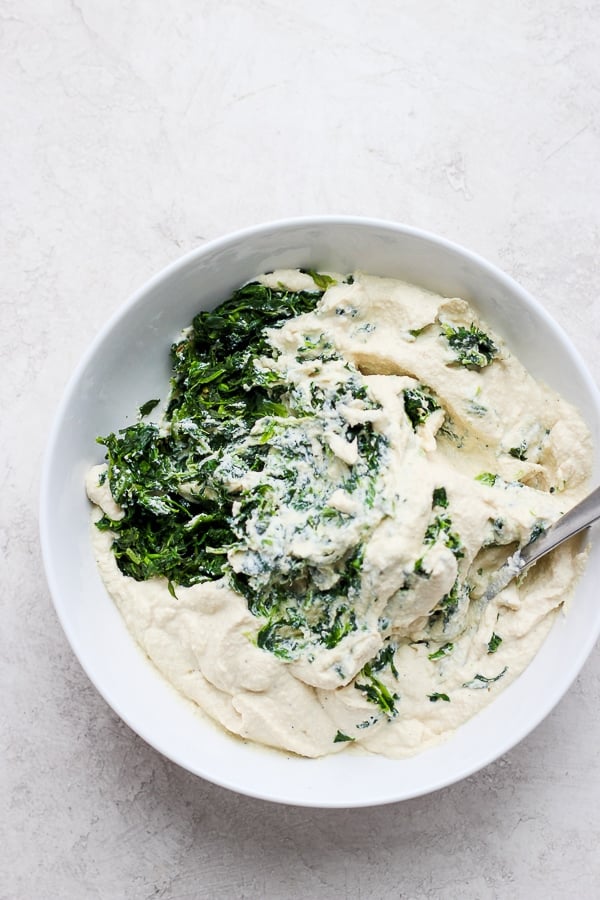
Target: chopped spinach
480	681
419	403
487	478
494	642
373	688
437	696
322	281
340	737
376	692
384	658
147	407
440	527
451	603
419	569
162	532
216	397
440	498
537	530
444	650
519	452
471	346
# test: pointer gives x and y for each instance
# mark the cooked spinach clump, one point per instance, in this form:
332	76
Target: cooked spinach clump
202	492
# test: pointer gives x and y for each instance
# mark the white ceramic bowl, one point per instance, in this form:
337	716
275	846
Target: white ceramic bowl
129	362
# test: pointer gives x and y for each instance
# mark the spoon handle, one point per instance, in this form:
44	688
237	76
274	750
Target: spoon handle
579	517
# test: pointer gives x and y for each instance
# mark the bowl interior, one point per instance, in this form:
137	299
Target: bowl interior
128	364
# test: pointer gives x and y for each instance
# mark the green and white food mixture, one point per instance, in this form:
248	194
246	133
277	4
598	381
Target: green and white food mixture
298	535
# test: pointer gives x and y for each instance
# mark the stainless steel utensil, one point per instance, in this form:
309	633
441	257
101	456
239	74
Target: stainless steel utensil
579	517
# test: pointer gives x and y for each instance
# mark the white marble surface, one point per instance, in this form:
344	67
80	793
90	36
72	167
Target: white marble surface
132	131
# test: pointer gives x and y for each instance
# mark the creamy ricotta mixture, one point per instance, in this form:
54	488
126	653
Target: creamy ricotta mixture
403	456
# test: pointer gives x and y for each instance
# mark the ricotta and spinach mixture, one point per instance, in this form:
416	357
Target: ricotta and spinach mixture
300	533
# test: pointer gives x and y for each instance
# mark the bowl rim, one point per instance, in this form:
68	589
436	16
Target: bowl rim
70	389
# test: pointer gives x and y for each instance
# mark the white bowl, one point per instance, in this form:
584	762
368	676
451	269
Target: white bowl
129	362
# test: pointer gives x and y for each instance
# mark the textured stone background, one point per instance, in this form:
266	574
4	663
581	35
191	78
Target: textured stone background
132	131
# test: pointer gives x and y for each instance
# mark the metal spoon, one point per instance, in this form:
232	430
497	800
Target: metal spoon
579	517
